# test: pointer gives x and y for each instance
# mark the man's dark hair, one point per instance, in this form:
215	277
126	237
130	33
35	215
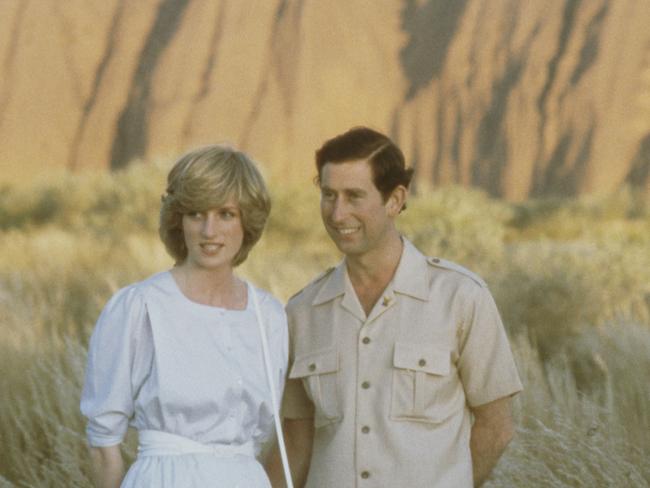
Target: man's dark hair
361	143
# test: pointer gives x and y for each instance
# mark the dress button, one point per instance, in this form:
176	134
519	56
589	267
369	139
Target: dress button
365	475
422	362
366	340
365	429
365	385
312	367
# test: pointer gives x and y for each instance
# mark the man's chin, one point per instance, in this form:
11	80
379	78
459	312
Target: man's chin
348	245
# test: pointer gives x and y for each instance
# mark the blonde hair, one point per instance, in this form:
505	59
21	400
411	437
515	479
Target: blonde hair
206	178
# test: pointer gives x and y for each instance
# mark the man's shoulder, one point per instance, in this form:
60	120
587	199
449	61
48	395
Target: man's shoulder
457	269
307	294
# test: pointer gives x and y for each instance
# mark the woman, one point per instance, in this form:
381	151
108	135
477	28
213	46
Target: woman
179	355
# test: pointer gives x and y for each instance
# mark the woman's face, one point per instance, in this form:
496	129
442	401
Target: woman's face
213	237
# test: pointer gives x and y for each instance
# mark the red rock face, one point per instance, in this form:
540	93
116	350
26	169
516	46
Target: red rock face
520	98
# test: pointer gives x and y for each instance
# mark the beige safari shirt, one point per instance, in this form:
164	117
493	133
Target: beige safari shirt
390	393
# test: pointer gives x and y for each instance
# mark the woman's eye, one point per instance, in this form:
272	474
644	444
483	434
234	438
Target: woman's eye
194	215
228	214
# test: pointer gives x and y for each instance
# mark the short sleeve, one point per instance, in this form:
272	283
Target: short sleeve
107	398
295	402
486	365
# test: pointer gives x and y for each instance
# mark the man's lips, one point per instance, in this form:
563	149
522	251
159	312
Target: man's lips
345	231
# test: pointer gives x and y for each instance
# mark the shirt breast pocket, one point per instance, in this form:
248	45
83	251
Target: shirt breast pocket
319	372
425	388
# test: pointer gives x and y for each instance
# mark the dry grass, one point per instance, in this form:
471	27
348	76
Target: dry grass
572	280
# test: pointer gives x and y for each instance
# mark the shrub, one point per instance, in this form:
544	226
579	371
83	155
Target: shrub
576	306
457	224
555	290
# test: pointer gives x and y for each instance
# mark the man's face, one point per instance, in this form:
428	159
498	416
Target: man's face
353	211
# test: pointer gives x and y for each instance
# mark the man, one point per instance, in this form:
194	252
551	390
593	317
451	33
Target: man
401	373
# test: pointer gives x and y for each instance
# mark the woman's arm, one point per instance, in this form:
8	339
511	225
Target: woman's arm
107	466
119	359
299	437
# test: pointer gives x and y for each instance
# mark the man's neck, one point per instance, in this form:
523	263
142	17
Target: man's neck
370	273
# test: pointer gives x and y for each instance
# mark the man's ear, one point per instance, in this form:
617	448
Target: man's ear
396	200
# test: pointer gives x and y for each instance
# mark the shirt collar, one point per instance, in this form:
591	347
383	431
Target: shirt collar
411	274
334	285
410	277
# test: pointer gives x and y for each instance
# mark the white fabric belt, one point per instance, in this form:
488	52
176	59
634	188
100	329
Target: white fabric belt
157	443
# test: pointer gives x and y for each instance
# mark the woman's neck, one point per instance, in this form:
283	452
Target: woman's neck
217	288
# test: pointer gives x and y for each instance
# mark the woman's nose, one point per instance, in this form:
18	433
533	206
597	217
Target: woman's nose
210	225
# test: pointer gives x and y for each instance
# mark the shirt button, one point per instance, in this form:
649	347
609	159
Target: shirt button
312	367
365	385
422	362
366	340
365	475
365	429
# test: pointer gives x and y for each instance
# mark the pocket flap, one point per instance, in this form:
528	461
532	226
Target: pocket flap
318	362
422	357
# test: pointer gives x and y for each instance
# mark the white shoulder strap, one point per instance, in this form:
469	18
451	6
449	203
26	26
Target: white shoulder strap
269	377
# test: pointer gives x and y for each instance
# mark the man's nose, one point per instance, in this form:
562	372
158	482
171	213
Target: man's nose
339	210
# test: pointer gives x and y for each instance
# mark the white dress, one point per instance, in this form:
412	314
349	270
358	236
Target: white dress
159	362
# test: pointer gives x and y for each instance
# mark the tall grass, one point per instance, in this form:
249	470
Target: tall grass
572	280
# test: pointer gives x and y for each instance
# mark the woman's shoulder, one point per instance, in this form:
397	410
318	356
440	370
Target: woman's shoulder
268	301
157	282
265	296
125	312
136	294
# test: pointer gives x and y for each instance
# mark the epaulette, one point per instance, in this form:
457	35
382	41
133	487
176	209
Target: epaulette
318	278
443	263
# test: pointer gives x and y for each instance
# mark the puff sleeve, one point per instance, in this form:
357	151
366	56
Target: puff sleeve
114	356
275	322
278	337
